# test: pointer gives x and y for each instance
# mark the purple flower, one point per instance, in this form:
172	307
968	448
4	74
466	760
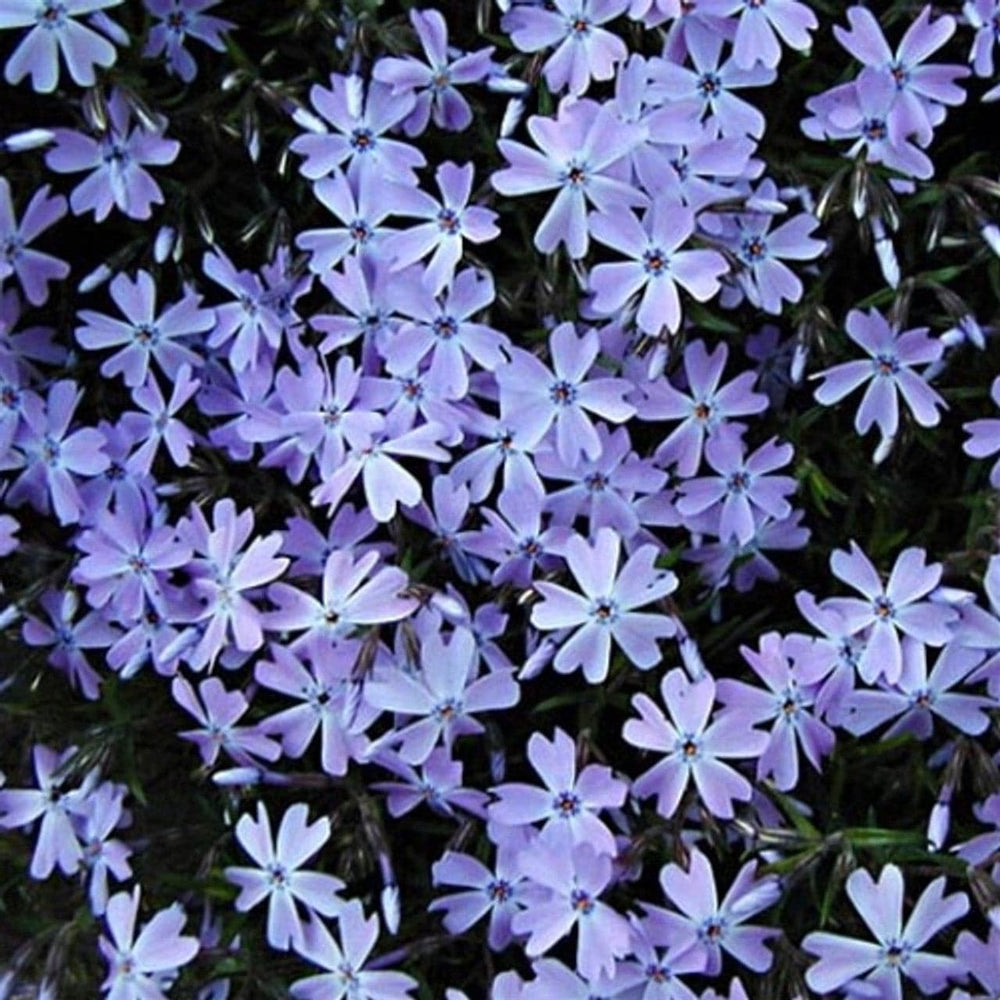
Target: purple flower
328	700
890	608
217	710
900	947
657	267
703	409
920	90
52	454
361	117
569	883
100	814
742	484
984	437
916	697
57	841
449	222
889	372
352	596
443	695
137	965
533	397
787	700
54	30
438	783
982	960
654	972
277	877
717	927
984	16
579	148
495	892
179	20
117	161
761	21
584	50
33	268
692	747
145	335
711	83
569	804
158	423
437	80
346	975
605	611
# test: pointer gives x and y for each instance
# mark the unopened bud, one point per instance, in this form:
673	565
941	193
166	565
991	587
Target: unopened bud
32	138
95	279
990	232
163	243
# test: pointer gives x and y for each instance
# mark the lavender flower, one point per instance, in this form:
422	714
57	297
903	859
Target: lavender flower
584	50
984	439
145	335
893	354
54	30
657	267
346	975
116	160
178	21
277	877
569	804
137	964
759	25
436	81
605	610
899	948
579	148
100	814
692	747
33	268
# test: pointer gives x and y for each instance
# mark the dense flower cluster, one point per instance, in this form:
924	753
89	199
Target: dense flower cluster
392	429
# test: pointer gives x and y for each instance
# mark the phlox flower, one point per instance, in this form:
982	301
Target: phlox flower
660	959
984	17
567	885
692	747
344	961
605	610
890	608
657	267
759	25
534	397
703	408
361	116
742	484
54	29
144	336
717	927
328	699
278	878
788	699
435	82
156	422
442	696
898	948
579	148
57	842
117	161
982	960
569	803
33	268
438	783
178	21
584	49
100	814
889	372
141	967
450	221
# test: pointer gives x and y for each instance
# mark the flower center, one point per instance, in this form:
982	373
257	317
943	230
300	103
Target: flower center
596	482
177	21
604	611
883	608
51	14
582	902
562	393
655	262
448	221
576	175
360	231
499	890
567	804
874	129
900	74
362	140
710	85
886	365
754	249
738	482
445	327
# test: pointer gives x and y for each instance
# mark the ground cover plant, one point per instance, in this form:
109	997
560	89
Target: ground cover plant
499	499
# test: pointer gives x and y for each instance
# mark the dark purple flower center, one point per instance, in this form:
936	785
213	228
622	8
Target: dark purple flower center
689	748
447	709
900	74
360	231
896	953
499	890
874	129
12	247
146	334
177	21
445	327
51	14
441	79
655	262
710	84
562	393
50	451
277	875
580	26
10	397
738	482
567	804
883	608
576	174
362	140
115	472
448	221
138	564
702	411
582	901
330	414
116	155
413	390
604	611
596	482
658	973
712	929
754	249
529	546
886	364
923	699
